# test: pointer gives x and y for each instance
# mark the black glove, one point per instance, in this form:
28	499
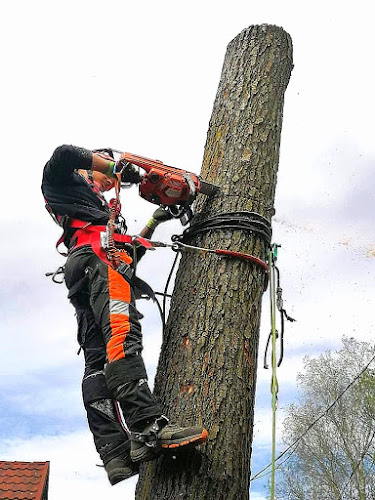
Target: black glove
129	174
162	215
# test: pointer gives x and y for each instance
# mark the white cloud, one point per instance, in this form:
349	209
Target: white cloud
257	496
150	91
73	466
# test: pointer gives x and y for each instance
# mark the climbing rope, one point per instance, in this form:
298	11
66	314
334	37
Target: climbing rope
252	222
276	302
272	256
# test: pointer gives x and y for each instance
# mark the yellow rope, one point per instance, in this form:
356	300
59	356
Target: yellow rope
274	383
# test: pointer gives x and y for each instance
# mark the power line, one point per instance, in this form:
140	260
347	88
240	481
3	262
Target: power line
256	476
358	463
279	466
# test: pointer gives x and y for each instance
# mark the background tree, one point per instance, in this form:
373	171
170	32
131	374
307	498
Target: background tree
336	458
207	366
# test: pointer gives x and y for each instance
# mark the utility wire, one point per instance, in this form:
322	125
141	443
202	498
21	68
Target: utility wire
256	476
279	466
358	464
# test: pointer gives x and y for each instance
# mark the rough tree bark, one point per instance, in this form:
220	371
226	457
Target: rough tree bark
207	367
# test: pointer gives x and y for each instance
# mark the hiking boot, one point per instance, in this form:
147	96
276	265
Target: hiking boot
174	436
119	469
160	436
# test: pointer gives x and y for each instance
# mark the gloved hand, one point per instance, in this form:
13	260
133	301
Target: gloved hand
160	215
128	172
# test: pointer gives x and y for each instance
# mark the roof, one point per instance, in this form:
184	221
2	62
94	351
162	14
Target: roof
23	480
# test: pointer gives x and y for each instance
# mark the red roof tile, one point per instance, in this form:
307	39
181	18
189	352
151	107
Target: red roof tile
23	480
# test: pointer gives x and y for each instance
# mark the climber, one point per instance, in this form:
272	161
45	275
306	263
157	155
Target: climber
109	330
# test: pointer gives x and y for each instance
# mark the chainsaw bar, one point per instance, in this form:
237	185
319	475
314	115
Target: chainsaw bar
207	188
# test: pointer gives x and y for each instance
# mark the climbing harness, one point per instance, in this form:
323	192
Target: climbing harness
276	301
108	242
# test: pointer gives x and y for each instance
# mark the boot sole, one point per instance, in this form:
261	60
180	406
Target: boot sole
121	475
144	454
186	441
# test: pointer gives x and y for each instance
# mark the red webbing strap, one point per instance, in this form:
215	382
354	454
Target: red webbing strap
143	242
74	224
79	224
88	234
245	256
182	247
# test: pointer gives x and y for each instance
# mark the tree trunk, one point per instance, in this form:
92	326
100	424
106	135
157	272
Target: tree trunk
207	367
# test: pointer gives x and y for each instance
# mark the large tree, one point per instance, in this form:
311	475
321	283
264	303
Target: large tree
335	460
207	367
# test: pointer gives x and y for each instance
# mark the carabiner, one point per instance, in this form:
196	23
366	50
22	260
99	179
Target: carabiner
59	270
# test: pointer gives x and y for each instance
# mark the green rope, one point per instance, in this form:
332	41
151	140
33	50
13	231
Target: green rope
272	256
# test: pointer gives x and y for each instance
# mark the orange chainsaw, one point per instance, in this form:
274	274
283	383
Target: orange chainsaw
170	187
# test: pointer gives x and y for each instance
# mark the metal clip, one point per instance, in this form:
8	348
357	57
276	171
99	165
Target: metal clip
59	270
279	298
104	239
125	270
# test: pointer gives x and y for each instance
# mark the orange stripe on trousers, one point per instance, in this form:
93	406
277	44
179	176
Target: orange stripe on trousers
119	289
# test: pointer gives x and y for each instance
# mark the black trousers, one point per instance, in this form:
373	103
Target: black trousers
110	335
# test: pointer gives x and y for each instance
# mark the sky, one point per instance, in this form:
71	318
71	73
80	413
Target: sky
142	77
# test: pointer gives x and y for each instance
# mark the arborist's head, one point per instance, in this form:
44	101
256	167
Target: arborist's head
104	182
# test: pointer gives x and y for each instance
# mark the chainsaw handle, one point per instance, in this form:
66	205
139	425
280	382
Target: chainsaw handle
175	211
141	161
